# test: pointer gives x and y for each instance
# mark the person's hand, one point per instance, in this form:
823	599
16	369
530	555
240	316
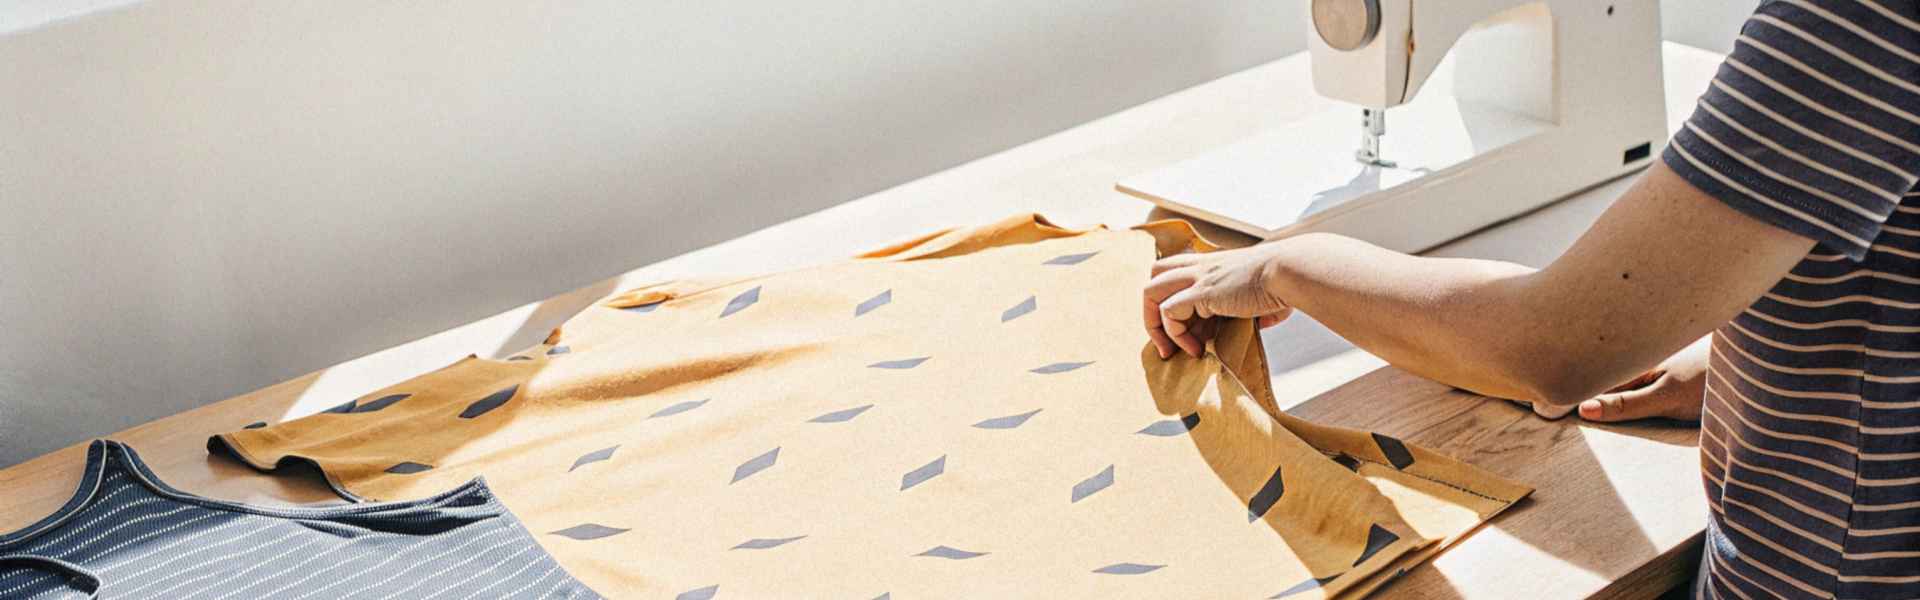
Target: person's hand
1189	293
1675	389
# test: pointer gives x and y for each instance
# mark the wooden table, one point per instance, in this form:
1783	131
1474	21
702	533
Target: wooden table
1618	511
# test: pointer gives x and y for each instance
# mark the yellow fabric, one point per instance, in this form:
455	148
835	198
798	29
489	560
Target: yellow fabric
637	447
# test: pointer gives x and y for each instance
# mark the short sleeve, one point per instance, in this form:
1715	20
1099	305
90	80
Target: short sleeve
1813	123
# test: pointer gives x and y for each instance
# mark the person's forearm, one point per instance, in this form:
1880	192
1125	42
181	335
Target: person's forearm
1664	265
1468	323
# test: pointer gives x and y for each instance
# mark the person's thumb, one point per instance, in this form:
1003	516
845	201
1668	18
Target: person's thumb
1637	403
1550	412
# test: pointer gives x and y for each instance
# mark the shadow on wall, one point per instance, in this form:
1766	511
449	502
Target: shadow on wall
207	196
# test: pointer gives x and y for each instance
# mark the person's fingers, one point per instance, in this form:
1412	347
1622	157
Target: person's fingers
1176	314
1161	343
1164	285
1174	262
1644	379
1157	290
1647	402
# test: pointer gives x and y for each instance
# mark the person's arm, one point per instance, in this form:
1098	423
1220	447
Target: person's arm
1663	266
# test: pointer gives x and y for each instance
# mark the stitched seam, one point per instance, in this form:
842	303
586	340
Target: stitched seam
1439	481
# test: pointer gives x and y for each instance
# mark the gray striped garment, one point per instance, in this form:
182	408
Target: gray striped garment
1810	442
126	535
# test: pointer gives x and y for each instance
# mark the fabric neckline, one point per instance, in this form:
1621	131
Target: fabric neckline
79	577
99	451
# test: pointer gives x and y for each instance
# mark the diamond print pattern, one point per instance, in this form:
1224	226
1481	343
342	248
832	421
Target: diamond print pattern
741	302
925	472
1070	259
840	416
1059	367
755	465
1007	422
905	363
1019	310
380	403
950	553
593	457
678	407
1262	501
1172	427
873	303
589	531
487	404
765	543
1309	584
1127	568
1378	538
1093	485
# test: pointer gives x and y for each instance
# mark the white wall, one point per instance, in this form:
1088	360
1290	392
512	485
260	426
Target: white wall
1708	24
202	197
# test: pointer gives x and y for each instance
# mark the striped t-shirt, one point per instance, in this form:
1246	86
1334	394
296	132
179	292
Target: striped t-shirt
1810	438
125	535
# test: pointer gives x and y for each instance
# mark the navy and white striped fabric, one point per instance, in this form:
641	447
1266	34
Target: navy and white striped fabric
126	535
1810	441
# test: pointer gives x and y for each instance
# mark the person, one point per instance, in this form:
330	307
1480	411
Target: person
1781	223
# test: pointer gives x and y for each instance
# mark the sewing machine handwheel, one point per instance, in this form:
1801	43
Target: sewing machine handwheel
1346	24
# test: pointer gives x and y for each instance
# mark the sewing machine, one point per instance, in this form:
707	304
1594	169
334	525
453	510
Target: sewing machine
1499	106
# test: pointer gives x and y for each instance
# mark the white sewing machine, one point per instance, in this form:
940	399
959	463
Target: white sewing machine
1524	103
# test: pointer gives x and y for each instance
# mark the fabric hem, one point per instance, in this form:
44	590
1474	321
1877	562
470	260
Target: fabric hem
224	443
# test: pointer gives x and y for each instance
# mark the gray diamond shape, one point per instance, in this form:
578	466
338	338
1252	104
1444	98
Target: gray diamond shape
1059	367
705	593
487	404
678	407
925	472
558	350
1019	310
1092	485
765	543
1263	500
840	416
382	402
1127	568
593	457
1070	259
1007	422
950	553
1311	583
1172	427
905	363
409	468
589	531
741	302
873	303
755	465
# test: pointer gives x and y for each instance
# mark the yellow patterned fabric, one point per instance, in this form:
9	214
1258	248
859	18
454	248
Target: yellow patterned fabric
973	413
